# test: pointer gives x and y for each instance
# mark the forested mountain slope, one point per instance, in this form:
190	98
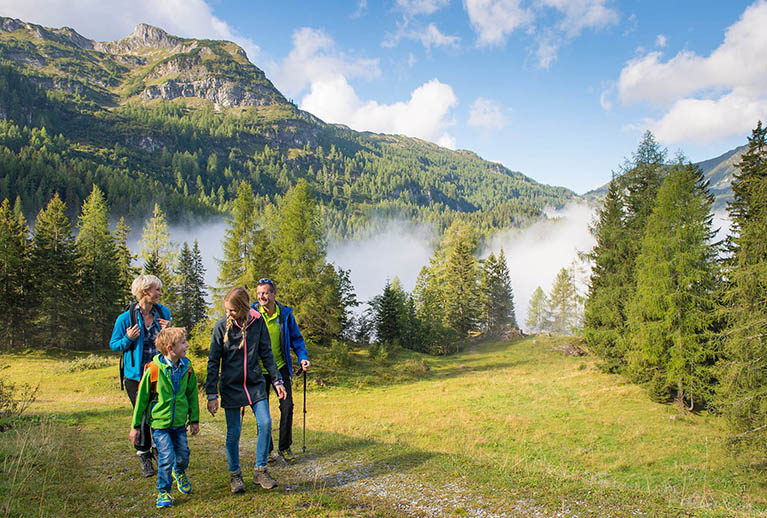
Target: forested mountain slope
157	118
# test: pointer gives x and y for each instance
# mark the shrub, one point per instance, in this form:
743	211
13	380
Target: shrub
14	401
338	356
92	361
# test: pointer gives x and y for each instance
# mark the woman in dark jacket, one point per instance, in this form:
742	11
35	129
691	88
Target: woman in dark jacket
238	342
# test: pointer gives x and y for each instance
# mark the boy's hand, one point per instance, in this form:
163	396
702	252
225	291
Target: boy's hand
213	406
134	436
281	394
194	428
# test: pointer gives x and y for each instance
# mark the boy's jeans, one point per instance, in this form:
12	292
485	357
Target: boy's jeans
234	427
172	453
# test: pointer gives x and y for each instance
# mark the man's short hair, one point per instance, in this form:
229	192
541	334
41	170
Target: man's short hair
268	282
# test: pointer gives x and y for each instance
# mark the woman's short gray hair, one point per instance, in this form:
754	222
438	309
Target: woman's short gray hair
144	282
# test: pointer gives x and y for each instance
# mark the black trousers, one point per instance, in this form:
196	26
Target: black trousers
286	410
145	437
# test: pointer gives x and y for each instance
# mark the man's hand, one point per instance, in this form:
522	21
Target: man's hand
213	406
305	365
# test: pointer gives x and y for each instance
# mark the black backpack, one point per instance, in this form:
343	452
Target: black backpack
133	312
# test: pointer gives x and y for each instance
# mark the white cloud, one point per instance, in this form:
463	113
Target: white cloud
495	20
424	115
705	97
661	41
415	7
107	20
486	113
429	37
314	57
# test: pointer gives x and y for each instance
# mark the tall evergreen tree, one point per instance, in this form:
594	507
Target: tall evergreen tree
127	272
618	232
538	312
15	265
185	288
157	249
387	311
496	295
53	268
743	375
671	316
98	273
200	291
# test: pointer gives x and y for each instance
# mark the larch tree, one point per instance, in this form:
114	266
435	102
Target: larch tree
127	272
157	250
538	312
671	316
563	303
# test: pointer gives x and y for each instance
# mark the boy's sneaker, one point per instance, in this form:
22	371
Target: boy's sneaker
164	499
147	468
287	456
263	478
182	482
235	481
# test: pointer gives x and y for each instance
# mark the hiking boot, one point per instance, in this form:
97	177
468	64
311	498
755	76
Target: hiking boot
263	478
287	456
182	482
236	483
164	499
147	468
273	457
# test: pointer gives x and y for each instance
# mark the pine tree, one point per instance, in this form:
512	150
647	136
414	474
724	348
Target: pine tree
563	303
743	373
98	273
185	288
672	313
538	312
53	268
15	265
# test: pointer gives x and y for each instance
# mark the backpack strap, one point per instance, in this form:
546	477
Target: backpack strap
154	374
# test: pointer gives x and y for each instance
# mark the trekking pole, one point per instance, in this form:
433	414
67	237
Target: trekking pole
303	447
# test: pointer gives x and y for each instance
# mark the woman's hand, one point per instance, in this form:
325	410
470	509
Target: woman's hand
281	394
133	331
163	323
213	406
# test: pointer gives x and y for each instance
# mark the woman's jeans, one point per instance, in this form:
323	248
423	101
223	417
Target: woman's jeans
172	454
234	427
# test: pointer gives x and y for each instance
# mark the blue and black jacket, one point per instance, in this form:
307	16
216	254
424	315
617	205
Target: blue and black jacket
133	350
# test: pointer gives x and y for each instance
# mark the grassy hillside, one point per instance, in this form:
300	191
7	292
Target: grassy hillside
505	429
156	118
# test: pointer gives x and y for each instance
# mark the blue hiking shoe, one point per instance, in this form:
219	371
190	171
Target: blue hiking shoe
182	482
164	499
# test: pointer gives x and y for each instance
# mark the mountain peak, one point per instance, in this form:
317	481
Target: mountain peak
151	36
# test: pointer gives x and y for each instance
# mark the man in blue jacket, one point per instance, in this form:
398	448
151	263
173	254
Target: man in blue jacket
284	335
134	334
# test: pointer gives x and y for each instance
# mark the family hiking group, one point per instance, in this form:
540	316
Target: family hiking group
249	352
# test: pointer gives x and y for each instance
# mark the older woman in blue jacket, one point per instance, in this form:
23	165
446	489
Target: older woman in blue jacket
134	334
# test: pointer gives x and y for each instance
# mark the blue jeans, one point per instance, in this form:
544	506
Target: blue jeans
234	427
172	454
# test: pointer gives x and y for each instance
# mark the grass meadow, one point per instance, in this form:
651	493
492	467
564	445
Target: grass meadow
502	429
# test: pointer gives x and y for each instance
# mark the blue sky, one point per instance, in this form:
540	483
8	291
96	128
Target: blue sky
560	90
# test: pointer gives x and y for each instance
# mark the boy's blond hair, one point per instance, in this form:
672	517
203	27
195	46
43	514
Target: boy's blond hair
169	337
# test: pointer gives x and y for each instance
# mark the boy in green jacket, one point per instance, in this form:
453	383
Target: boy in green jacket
167	397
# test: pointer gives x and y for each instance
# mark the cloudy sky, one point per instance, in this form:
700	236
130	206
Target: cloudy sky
560	90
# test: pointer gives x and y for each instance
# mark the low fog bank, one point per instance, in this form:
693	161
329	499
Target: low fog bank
536	254
400	250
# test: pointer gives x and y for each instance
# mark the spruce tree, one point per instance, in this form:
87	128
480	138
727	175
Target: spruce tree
53	268
460	283
98	272
200	290
15	265
672	313
496	295
185	289
743	374
387	310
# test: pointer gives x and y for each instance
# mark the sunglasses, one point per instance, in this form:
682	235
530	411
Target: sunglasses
267	281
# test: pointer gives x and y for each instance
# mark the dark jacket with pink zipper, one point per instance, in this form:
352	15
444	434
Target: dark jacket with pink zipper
234	370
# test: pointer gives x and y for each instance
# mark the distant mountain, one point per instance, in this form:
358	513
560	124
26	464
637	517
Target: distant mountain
157	118
718	171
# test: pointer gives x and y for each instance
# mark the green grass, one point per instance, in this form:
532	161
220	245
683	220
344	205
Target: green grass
501	430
